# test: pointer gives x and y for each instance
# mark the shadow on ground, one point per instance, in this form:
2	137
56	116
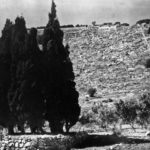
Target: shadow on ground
106	140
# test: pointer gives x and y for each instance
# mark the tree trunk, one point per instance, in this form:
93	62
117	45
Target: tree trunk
56	127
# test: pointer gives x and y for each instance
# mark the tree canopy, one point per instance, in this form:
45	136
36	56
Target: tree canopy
36	85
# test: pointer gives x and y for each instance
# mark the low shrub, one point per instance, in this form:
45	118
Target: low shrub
106	115
91	92
144	110
147	64
127	111
131	111
86	117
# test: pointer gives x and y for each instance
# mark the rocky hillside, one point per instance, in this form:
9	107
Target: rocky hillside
111	60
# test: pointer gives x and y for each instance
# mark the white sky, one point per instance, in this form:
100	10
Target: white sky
75	12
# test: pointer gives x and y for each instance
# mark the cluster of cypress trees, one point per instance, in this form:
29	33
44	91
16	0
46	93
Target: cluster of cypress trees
36	85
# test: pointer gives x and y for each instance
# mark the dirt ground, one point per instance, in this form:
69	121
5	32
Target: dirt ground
129	140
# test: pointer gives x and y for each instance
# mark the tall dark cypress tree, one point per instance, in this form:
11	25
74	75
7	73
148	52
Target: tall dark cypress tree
35	84
52	15
62	106
31	96
5	60
25	95
16	69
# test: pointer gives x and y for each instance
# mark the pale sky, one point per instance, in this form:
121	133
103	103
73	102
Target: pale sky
75	12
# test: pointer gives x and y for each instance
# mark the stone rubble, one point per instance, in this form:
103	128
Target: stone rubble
31	142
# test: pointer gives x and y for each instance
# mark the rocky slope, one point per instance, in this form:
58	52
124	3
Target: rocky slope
110	60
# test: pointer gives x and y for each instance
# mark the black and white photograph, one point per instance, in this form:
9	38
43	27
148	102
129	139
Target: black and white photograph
74	74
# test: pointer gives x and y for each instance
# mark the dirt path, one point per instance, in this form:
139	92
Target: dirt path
112	142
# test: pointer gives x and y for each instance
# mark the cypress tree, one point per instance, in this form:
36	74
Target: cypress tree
61	96
52	15
25	95
31	96
5	60
16	70
35	85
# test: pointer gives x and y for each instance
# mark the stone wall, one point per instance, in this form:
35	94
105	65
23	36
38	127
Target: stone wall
42	142
34	142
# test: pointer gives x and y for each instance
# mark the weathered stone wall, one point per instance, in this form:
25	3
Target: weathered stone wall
34	142
41	142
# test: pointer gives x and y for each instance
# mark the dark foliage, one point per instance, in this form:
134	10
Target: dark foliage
148	32
19	64
144	110
61	96
117	23
147	21
34	84
67	26
82	25
31	97
91	92
107	24
94	23
125	24
127	111
5	78
147	64
17	69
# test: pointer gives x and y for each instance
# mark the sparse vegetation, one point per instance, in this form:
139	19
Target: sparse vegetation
106	115
111	116
67	26
125	24
147	64
94	23
91	92
144	110
127	111
147	21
